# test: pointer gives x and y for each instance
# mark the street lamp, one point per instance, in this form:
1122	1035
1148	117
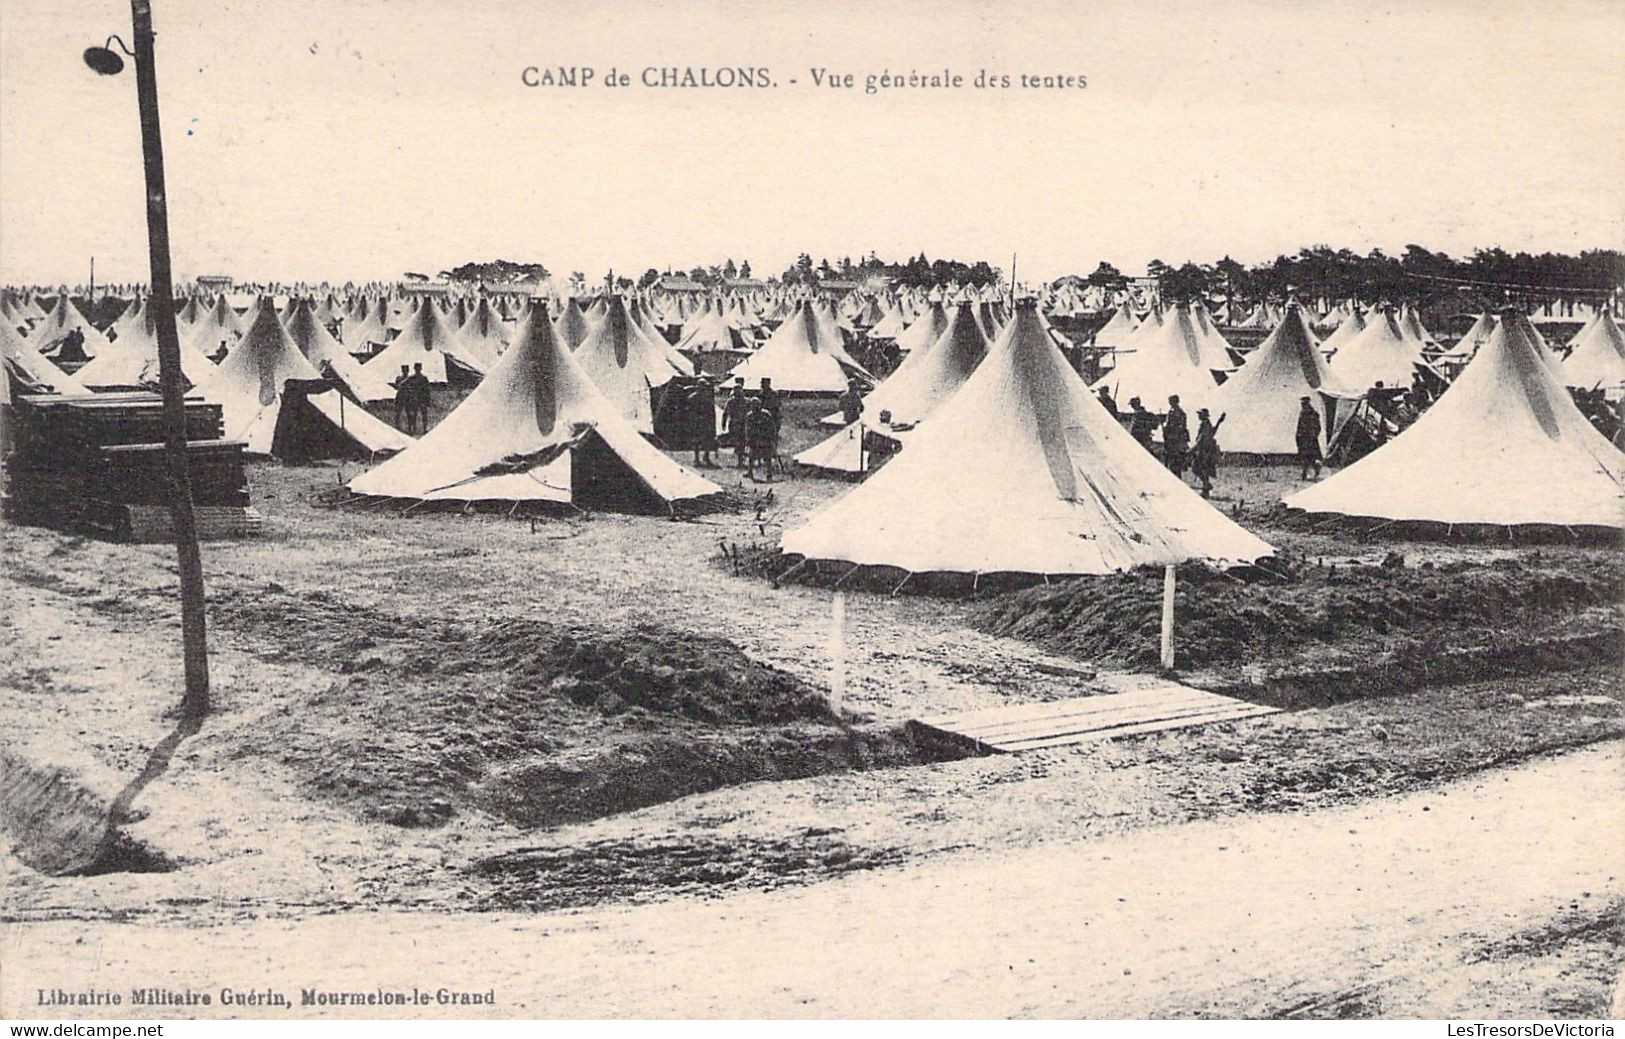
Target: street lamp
106	62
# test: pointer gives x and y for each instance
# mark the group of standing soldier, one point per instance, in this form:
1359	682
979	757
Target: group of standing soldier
412	394
687	420
750	425
1178	451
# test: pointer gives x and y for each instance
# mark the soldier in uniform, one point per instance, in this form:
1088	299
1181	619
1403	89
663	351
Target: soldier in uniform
1176	438
1141	423
1308	437
1205	451
734	414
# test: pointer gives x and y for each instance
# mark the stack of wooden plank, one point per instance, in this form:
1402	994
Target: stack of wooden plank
95	465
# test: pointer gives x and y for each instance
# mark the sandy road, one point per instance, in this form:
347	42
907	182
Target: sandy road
1380	908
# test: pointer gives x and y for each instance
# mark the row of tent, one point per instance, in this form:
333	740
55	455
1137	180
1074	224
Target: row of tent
1011	463
1016	466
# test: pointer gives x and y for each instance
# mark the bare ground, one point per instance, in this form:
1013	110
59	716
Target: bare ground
391	730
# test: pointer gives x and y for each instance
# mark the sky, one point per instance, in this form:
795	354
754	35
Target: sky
358	139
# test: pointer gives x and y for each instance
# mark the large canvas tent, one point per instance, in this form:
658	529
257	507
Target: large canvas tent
537	429
1504	446
1262	399
33	368
926	378
1022	471
925	330
427	338
131	361
625	364
1170	359
1380	352
330	357
803	357
248	383
49	336
1597	356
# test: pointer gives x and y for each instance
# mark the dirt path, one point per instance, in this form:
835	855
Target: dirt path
1498	896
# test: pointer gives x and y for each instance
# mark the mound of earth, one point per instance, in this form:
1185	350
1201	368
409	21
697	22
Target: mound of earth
694	676
1116	618
529	721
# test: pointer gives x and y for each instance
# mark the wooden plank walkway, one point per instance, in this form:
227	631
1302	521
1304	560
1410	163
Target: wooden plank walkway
1056	723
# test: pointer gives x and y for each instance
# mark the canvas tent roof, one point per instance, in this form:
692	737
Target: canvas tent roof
1166	360
624	364
925	330
1380	352
132	360
248	383
1116	332
320	348
34	366
921	384
1597	357
1505	445
1022	471
368	326
426	338
1262	399
800	357
515	436
571	326
62	320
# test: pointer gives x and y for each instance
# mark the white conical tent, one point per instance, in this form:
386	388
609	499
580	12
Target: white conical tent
922	383
625	365
1410	322
323	351
219	326
1022	471
132	360
711	333
891	324
929	376
34	366
367	329
1347	327
926	329
1214	348
64	319
1381	352
1262	399
1597	356
571	326
801	358
1167	360
128	319
485	329
427	339
1505	445
1114	334
514	438
1474	337
248	384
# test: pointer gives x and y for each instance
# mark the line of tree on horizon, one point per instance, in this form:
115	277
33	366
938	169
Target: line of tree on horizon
1319	271
1315	271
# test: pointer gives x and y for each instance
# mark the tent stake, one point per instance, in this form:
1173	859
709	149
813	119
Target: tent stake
788	573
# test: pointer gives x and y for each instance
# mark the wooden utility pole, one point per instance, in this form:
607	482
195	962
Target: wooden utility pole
195	700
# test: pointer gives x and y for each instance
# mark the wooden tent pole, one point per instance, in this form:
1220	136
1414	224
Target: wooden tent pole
1168	618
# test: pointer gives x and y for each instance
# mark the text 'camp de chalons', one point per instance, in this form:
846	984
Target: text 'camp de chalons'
761	77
